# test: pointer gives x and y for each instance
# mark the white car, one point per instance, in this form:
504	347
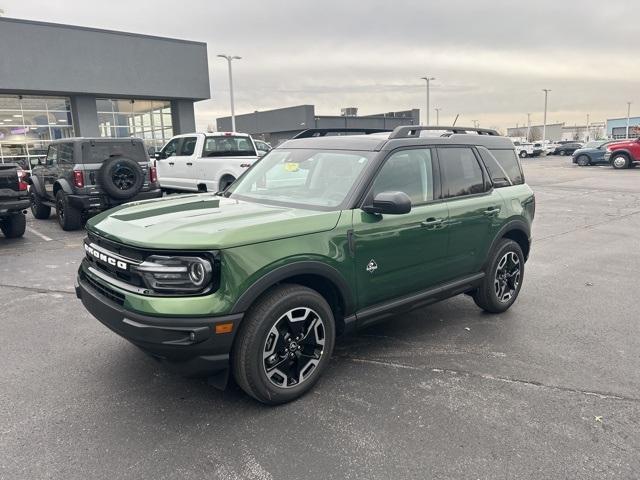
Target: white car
524	150
205	162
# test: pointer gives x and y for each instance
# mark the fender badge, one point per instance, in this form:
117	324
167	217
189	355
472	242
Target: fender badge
372	266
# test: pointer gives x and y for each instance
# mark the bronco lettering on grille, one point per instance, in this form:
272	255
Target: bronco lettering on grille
104	258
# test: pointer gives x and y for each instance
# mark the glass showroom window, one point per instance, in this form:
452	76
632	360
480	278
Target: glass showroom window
28	124
146	119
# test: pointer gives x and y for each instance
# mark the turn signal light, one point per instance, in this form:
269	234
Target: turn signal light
153	175
224	327
78	178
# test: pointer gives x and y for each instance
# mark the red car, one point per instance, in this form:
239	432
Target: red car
623	154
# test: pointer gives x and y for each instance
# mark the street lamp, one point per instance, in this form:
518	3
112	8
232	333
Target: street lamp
428	80
628	115
544	121
528	125
229	58
438	116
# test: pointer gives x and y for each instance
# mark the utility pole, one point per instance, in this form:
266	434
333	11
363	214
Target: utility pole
544	122
628	115
476	123
438	116
528	126
229	58
428	80
588	133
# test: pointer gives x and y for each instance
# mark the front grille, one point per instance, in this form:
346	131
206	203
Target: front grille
103	289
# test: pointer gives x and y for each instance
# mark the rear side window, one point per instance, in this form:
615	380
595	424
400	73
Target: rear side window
461	172
101	151
228	146
503	164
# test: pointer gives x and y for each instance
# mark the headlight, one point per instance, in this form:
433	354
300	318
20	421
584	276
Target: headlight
608	150
176	274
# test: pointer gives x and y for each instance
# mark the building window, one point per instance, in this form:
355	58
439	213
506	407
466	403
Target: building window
146	119
29	123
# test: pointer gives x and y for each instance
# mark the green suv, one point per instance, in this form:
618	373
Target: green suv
323	235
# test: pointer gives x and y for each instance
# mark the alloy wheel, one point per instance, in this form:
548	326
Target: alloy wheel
123	177
619	162
294	347
507	277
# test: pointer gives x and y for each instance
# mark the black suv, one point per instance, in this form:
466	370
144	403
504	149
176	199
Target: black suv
84	176
14	200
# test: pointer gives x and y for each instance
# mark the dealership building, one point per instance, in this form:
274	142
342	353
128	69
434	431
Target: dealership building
617	127
59	81
275	126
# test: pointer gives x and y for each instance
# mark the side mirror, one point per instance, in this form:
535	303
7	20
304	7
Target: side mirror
501	182
152	152
392	203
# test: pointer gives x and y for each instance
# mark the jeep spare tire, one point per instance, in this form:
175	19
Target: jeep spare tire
121	177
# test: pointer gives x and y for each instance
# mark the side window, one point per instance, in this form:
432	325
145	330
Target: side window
408	171
52	155
461	172
188	146
170	148
262	146
503	164
65	154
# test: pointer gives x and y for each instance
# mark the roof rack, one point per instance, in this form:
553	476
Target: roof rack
414	131
321	132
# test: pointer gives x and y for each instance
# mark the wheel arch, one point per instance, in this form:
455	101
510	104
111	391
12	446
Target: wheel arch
318	276
63	185
516	230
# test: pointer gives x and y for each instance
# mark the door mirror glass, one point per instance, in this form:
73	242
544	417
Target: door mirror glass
392	203
152	152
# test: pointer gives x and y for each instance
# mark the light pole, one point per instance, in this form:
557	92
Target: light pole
428	80
544	121
438	116
628	115
588	133
228	58
476	123
528	125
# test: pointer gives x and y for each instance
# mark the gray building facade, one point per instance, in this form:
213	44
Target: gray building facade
59	81
275	126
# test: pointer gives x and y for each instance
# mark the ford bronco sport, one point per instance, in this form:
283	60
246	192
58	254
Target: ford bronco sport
83	176
322	235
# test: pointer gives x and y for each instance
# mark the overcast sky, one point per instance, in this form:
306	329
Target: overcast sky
491	58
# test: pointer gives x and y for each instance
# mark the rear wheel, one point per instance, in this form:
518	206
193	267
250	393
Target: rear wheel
501	285
583	161
620	161
523	154
14	225
562	153
39	211
69	217
226	182
284	344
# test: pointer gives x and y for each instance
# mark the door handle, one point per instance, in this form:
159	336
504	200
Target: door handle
171	163
491	211
432	223
189	163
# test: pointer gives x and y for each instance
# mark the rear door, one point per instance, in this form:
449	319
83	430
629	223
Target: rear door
474	209
400	254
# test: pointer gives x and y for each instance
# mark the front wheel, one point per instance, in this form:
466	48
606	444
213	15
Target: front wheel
562	153
620	161
284	344
523	154
583	161
69	217
14	225
501	285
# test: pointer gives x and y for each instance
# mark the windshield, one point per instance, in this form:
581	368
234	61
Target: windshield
594	144
302	177
228	146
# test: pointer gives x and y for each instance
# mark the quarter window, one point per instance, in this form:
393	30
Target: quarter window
408	171
65	153
507	163
52	155
461	172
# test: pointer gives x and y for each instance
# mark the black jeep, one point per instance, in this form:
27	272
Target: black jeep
84	176
14	200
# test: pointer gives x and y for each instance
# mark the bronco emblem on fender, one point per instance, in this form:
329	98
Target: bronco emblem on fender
372	266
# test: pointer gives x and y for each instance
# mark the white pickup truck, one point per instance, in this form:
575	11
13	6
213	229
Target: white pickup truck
206	162
525	149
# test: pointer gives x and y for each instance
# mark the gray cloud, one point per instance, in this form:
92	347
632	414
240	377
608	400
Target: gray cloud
491	58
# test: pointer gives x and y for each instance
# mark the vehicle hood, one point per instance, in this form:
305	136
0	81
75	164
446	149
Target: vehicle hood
622	144
205	221
587	150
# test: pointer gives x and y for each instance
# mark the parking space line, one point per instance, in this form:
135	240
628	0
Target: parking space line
41	235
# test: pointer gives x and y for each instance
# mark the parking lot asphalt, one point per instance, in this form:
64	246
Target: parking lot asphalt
550	389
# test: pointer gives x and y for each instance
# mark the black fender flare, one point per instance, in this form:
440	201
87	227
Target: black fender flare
514	224
305	267
64	184
36	184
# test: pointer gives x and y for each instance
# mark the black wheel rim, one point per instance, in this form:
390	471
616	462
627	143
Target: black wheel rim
293	348
123	177
60	209
507	277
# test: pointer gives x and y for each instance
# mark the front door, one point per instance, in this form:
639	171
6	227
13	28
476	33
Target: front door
400	254
165	164
474	209
185	165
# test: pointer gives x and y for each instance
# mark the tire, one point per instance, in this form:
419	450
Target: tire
225	182
39	211
121	177
583	161
523	154
499	278
14	225
69	218
620	161
272	333
562	153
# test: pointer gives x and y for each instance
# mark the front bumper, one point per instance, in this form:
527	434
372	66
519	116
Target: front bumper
103	202
186	345
607	157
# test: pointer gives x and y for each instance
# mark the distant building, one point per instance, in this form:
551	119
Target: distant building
275	126
617	127
580	133
560	131
553	132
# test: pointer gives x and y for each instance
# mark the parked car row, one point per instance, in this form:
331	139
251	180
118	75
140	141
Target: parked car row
619	154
